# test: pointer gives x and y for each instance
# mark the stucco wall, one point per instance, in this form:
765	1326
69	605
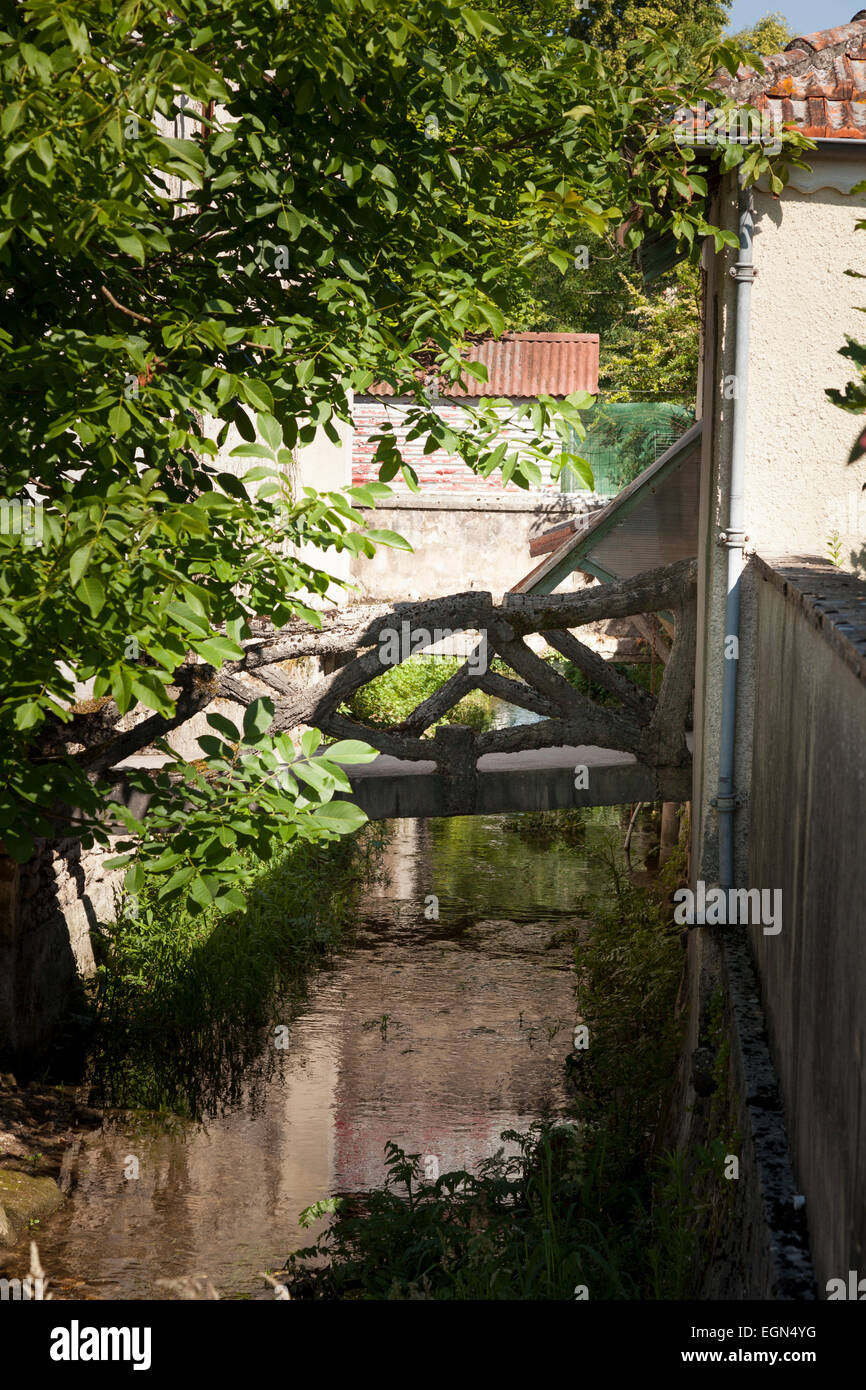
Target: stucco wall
460	543
798	486
47	909
325	465
808	813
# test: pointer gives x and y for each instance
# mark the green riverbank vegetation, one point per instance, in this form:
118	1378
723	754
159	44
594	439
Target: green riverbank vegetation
393	695
178	1004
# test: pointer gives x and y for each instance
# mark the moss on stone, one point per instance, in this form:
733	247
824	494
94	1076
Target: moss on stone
24	1199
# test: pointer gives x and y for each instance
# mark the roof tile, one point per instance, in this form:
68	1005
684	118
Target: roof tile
818	84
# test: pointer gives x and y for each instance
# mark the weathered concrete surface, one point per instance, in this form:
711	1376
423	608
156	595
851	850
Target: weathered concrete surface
48	908
540	779
461	542
768	1253
808	813
755	1245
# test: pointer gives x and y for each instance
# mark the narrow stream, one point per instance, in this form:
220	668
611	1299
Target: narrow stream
438	1034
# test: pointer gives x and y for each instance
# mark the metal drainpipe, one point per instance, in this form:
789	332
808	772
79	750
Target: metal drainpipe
727	800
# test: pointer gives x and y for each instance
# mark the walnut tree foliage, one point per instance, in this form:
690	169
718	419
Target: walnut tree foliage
770	34
342	212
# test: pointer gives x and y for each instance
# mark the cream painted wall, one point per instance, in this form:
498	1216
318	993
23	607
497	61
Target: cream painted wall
323	465
327	467
798	486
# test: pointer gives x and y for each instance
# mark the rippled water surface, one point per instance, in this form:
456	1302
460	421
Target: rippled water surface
438	1034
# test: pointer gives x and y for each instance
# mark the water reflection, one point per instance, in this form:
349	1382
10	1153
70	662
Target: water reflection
446	1022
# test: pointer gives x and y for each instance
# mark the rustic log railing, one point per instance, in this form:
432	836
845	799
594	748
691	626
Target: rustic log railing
361	645
652	728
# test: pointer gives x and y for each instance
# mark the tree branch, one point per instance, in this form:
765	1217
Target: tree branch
131	313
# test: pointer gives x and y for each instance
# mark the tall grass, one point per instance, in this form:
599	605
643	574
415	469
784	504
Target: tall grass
516	1229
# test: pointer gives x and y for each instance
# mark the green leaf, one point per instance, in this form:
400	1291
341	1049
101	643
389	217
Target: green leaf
316	776
216	650
382	536
271	431
224	726
134	880
257	720
188	620
118	420
11	117
310	740
494	317
79	561
256	394
201	892
177	881
383	175
344	817
91	591
351	750
230	900
131	244
28	714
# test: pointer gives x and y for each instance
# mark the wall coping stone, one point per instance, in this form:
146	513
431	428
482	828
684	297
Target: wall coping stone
833	600
535	502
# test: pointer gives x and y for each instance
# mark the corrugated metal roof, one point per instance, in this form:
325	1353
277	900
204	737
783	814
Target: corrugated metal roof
521	365
818	84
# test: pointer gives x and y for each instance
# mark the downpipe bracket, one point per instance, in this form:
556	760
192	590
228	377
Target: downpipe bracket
743	270
734	802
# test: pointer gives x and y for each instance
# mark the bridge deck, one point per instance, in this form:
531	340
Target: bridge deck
541	779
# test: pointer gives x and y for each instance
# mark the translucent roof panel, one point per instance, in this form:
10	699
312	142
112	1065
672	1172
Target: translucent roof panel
652	522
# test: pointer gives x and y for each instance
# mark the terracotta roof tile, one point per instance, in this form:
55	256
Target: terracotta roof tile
818	84
527	365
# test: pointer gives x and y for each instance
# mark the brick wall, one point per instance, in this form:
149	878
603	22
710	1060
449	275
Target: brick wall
442	471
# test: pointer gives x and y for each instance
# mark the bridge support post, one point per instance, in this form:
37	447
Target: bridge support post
670	830
455	754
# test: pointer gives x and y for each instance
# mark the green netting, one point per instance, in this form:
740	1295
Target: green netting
624	438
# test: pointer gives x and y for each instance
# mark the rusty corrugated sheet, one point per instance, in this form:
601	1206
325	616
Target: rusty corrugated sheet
817	85
524	365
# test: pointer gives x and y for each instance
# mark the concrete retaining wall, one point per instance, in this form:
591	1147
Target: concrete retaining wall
808	817
48	908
